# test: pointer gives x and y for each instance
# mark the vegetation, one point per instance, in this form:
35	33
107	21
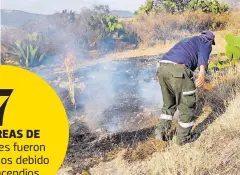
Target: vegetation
175	6
28	51
71	15
159	21
233	47
233	25
209	6
232	52
105	32
151	30
70	63
94	31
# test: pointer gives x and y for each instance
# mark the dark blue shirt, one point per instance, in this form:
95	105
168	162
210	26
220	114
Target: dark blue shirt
192	52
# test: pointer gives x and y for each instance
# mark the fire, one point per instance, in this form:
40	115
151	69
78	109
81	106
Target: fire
70	65
218	79
70	60
209	86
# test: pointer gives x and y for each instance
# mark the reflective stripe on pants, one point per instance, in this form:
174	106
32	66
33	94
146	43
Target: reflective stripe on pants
166	117
186	125
189	92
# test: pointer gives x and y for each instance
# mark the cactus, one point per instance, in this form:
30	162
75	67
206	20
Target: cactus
112	24
28	51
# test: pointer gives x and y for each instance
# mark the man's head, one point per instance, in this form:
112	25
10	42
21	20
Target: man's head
209	35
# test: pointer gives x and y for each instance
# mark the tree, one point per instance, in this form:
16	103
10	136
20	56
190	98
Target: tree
146	8
72	15
64	11
209	6
102	28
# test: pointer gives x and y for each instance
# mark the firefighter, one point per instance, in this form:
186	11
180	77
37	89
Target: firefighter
175	74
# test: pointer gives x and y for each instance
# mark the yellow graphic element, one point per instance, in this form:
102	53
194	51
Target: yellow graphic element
34	136
2	99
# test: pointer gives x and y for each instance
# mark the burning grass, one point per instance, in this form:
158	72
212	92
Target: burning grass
70	63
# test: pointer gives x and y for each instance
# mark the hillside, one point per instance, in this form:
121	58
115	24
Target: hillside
232	3
16	18
122	13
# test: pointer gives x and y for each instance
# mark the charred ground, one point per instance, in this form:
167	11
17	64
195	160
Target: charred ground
123	114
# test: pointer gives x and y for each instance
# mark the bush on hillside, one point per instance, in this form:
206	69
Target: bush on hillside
150	30
104	30
161	27
176	6
199	21
209	6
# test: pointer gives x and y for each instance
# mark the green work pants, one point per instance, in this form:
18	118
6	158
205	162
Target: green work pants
178	92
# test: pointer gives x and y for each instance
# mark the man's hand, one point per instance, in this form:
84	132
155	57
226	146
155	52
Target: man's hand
201	77
200	80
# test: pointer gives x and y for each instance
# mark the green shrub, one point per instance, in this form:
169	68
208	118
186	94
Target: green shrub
175	6
212	65
219	64
209	6
146	8
28	51
104	31
233	47
232	52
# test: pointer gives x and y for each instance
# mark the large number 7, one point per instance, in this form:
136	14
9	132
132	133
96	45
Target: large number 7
4	93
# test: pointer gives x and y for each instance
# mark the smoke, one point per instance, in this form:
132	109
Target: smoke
149	87
151	93
115	91
115	94
100	93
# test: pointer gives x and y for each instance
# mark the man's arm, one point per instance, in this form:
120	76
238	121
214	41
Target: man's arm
203	57
203	54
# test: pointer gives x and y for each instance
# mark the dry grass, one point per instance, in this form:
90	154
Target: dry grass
163	48
150	51
144	150
234	22
146	31
217	151
158	28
